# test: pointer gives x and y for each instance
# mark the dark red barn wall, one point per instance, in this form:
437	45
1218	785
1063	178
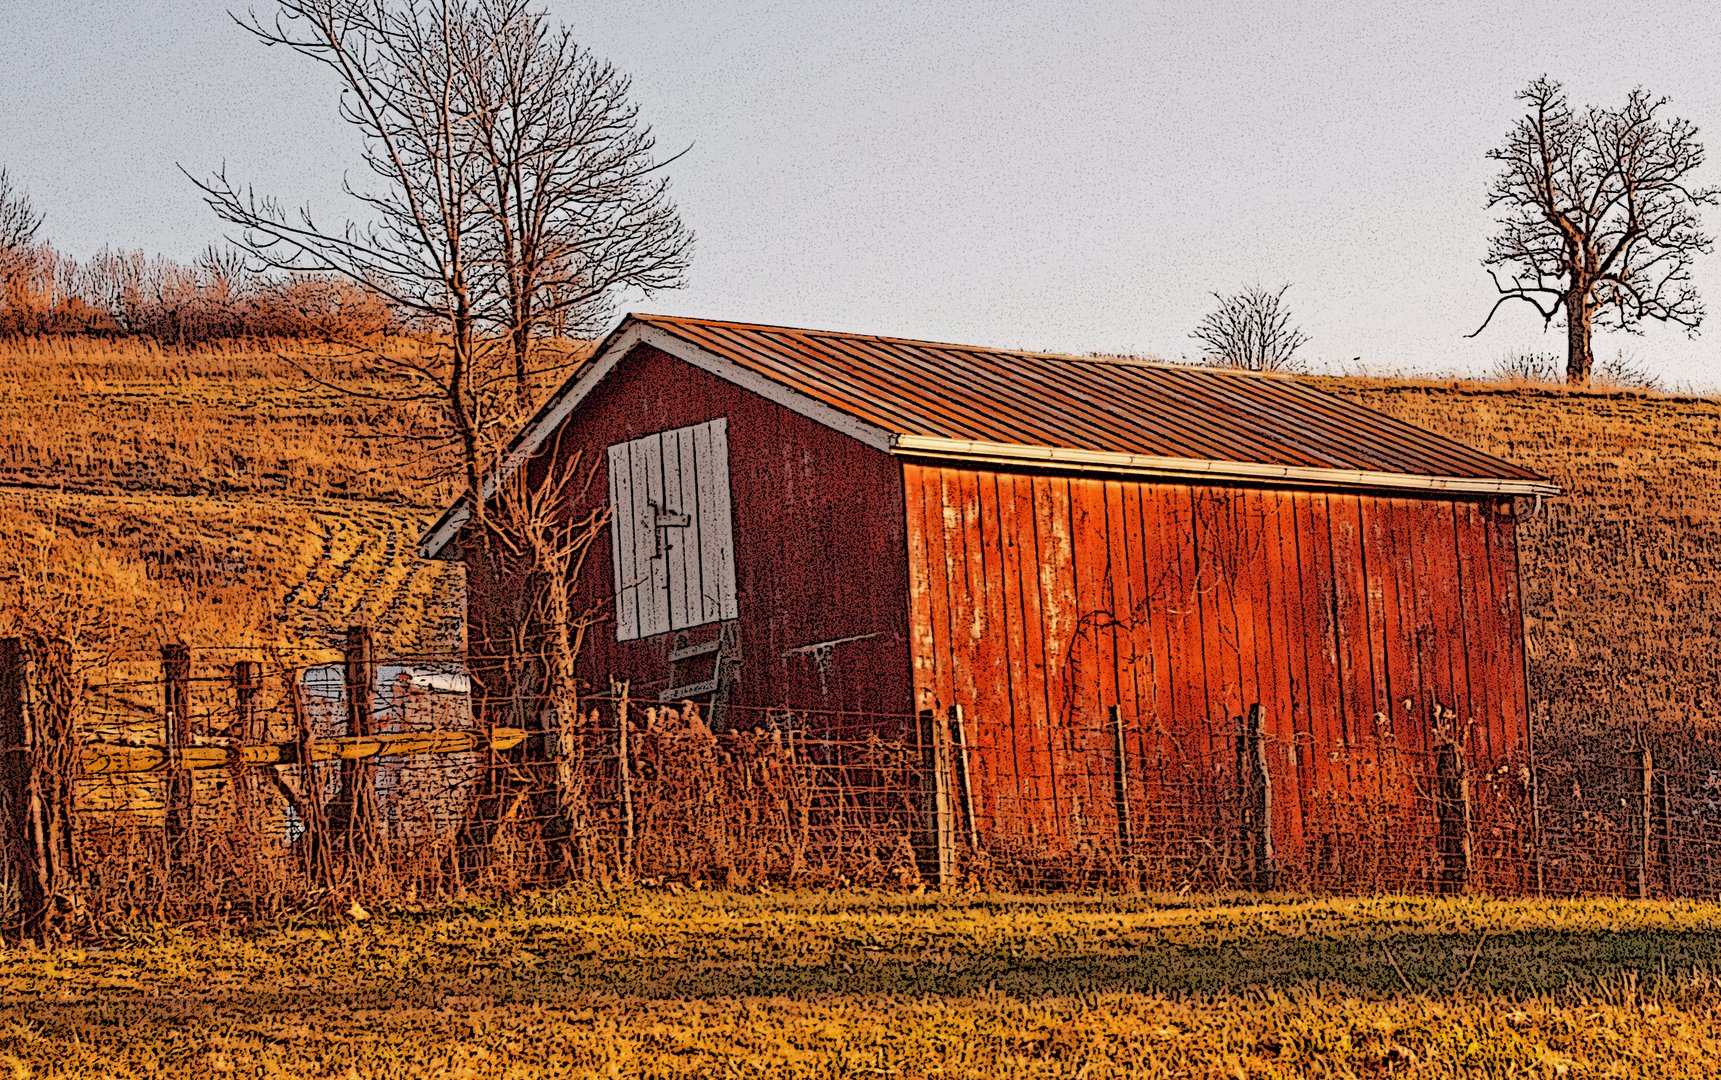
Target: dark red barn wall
819	543
1041	600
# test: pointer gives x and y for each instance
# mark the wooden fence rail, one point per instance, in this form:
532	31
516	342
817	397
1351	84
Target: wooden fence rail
96	759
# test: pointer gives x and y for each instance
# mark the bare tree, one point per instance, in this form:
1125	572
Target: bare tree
578	204
18	224
1251	329
496	196
1599	217
18	219
526	641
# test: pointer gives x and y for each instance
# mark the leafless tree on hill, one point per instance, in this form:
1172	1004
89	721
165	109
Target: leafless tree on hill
1251	329
501	197
1599	217
19	220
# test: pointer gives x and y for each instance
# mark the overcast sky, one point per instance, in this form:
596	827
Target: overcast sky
1060	175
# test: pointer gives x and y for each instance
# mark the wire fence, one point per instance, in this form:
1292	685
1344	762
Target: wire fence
245	789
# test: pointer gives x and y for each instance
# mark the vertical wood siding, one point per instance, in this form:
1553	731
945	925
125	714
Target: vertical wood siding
1359	623
818	550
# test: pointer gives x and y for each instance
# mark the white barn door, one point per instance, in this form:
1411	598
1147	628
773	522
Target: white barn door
671	536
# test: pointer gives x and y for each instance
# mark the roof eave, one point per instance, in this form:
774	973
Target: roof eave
925	446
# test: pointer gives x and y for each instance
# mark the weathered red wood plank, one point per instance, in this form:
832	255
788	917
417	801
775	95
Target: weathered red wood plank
1094	670
1477	625
1193	708
1381	727
922	581
993	715
1051	498
1284	661
956	495
1356	687
1024	728
1042	813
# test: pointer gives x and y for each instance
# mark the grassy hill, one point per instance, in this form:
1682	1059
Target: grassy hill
221	496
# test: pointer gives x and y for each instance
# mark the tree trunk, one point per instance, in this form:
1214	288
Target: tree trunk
1579	357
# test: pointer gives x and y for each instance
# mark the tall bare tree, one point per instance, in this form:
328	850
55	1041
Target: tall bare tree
1599	217
1251	329
458	176
578	202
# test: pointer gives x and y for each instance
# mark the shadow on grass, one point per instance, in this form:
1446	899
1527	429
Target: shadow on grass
1515	964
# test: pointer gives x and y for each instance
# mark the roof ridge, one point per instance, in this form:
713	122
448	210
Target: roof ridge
855	335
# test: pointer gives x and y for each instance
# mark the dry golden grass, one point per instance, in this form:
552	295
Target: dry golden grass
580	983
217	496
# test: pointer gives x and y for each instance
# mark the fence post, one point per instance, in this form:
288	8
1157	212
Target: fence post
964	779
1120	784
39	752
1452	809
358	810
22	866
1256	788
624	773
938	852
176	737
247	684
1642	799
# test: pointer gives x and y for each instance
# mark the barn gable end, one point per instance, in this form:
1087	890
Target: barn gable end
817	525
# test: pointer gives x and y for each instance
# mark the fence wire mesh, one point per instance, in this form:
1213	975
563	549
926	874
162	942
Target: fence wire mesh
270	801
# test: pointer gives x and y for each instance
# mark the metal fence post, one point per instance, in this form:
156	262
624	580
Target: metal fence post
938	854
1452	809
964	779
1120	784
624	774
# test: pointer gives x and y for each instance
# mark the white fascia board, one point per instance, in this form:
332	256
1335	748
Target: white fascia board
618	345
747	379
927	446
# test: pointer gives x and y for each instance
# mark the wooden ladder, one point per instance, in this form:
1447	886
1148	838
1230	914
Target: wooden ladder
694	678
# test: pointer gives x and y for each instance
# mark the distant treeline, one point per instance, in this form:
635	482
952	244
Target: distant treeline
126	294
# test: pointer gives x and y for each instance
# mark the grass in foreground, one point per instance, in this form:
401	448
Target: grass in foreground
635	984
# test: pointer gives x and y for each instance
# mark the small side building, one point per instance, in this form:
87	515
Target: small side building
854	528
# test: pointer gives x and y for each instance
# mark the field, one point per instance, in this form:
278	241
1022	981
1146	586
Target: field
583	983
219	496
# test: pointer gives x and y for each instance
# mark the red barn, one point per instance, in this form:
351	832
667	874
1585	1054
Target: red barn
843	524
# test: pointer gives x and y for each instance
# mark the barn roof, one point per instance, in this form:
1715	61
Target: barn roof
962	402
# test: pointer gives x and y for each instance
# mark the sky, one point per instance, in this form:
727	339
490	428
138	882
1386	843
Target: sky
1062	175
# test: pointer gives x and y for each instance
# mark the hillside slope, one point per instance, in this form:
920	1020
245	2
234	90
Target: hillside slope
217	496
